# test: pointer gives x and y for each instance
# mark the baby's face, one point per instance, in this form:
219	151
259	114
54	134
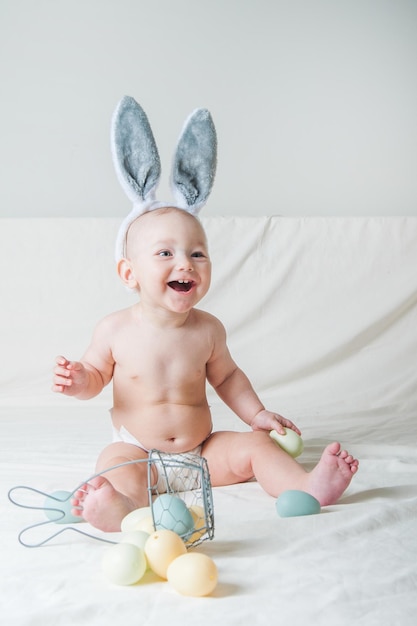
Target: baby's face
168	253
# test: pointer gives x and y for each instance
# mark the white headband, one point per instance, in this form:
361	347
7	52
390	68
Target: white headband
138	167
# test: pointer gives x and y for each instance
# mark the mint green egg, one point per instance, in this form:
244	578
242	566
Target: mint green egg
290	442
293	503
58	508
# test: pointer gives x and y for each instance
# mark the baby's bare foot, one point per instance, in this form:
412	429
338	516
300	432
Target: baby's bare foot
332	474
101	505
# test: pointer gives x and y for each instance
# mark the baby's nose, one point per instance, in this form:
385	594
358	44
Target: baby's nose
185	264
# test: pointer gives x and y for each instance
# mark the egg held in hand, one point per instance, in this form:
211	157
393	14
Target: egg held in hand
290	442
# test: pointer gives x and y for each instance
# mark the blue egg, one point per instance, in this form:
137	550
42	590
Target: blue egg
171	513
293	503
58	508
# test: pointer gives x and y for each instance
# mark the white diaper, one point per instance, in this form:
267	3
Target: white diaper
124	435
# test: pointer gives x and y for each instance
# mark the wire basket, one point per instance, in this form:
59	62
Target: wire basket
181	489
183	480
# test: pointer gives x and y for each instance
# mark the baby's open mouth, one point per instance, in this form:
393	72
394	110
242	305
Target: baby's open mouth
181	285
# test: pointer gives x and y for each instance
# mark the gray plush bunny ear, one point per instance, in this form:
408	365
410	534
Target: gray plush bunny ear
136	161
138	168
195	161
134	151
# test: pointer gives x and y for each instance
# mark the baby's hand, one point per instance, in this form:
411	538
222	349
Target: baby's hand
266	420
70	377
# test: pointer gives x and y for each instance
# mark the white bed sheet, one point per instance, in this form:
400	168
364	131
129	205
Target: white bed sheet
355	562
322	314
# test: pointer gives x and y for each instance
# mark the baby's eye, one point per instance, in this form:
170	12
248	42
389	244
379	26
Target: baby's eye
164	253
198	254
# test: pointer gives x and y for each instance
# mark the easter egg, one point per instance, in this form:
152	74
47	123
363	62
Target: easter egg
171	513
199	521
132	519
136	537
161	548
193	574
58	507
290	442
124	564
293	503
146	525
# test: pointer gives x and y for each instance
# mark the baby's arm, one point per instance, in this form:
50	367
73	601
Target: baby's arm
235	389
86	378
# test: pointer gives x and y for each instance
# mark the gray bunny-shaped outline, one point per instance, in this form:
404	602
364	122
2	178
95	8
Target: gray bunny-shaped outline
138	167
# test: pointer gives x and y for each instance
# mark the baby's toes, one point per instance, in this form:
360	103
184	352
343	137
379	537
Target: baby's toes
79	495
77	504
342	454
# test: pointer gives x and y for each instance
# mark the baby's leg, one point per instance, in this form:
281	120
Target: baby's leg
238	457
107	499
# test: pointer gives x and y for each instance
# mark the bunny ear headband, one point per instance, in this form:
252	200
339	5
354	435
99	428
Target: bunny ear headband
138	166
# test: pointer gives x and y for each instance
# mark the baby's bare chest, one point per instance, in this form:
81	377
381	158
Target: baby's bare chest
166	358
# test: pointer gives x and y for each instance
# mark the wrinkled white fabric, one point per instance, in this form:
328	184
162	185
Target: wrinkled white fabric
321	313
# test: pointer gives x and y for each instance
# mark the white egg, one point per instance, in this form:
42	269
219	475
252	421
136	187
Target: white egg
136	537
131	520
146	525
124	564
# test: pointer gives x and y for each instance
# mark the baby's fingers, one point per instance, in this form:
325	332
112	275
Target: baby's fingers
61	382
62	375
289	424
59	388
61	371
65	367
61	360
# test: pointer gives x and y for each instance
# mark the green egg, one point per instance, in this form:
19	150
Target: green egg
58	507
290	442
293	503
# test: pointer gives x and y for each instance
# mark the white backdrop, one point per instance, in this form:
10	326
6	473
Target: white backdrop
321	313
314	101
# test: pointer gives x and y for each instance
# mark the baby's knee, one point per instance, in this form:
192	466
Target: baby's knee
118	453
261	438
250	445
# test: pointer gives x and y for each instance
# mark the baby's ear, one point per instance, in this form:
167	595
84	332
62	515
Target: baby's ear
125	271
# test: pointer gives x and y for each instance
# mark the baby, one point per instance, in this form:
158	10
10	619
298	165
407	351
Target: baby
159	353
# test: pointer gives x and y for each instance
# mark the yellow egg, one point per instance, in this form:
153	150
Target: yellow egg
161	548
199	519
124	564
132	519
193	574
